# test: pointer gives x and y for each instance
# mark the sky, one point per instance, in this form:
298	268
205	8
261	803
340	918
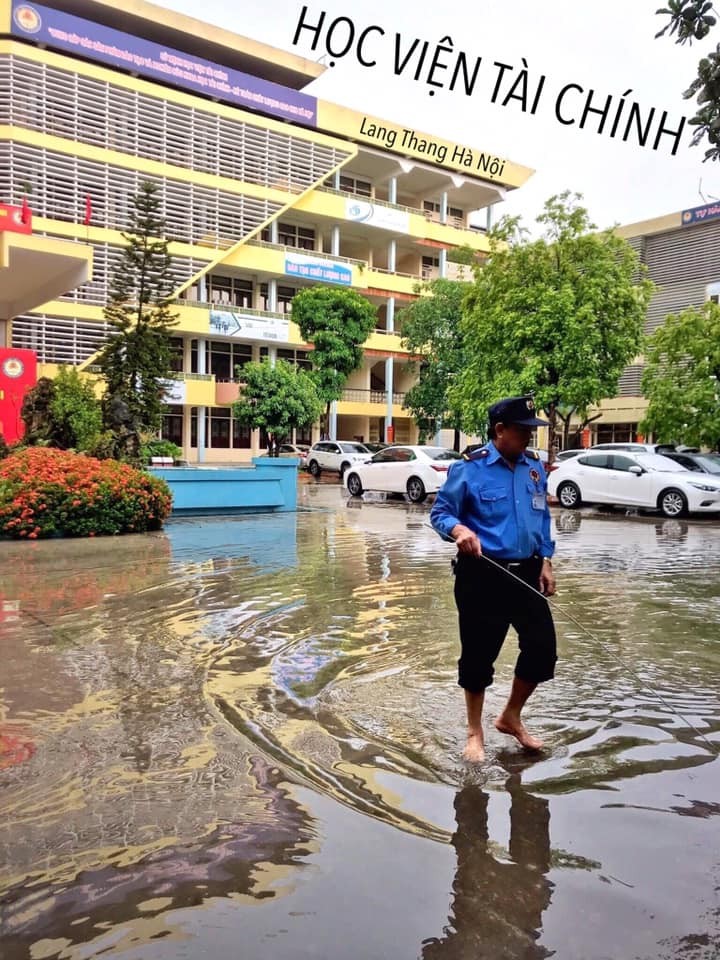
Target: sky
607	47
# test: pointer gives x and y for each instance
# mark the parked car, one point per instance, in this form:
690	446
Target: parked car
646	480
697	462
635	447
335	455
375	446
414	470
562	455
295	450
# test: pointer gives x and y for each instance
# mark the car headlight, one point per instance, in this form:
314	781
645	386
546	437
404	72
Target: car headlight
705	486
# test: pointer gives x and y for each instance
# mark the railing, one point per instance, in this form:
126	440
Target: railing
396	273
231	308
191	376
374	200
356	395
305	251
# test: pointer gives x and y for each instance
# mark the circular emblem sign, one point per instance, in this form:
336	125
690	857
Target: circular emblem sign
27	18
13	368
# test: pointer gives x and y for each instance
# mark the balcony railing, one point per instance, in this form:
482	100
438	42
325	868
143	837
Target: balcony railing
320	254
355	395
231	308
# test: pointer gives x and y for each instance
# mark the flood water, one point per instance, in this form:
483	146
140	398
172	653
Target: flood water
241	738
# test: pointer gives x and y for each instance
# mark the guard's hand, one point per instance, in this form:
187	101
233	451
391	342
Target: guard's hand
466	541
547	580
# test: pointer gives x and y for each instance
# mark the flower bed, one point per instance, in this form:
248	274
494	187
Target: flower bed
46	492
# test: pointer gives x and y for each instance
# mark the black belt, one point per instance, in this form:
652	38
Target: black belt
510	564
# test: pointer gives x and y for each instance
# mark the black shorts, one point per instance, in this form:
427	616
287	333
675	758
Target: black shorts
489	601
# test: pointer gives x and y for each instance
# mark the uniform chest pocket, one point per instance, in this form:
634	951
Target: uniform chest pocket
493	501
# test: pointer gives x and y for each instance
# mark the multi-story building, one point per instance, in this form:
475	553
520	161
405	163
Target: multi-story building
682	254
265	189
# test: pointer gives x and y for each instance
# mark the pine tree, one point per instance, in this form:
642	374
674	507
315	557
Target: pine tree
136	359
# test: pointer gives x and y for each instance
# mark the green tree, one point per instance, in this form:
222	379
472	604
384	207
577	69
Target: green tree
75	411
431	331
560	316
337	323
692	20
276	399
136	359
681	379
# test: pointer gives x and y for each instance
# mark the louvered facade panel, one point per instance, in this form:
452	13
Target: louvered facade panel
672	299
629	382
681	255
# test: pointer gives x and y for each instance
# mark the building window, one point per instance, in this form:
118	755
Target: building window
222	431
284	298
430	267
291	235
363	188
231	291
616	433
172	425
456	214
176	354
712	292
223	357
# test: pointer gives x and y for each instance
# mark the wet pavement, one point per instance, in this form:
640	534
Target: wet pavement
240	737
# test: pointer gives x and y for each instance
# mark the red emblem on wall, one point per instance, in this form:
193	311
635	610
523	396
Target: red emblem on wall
18	373
15	219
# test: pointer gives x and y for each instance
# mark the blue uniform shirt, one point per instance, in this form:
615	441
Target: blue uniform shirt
506	508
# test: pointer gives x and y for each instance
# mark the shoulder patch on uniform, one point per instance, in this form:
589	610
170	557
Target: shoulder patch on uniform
532	455
475	453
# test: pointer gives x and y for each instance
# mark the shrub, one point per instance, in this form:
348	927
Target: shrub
160	448
46	492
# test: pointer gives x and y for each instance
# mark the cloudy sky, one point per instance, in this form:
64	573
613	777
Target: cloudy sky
607	46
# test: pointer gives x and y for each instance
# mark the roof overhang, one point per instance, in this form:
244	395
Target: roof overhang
34	270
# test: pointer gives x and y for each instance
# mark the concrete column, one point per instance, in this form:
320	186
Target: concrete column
272	354
392	190
335	242
202	289
443	263
336	180
389	389
392	255
187	354
274	231
489	217
186	431
202	368
443	207
272	296
332	427
390	315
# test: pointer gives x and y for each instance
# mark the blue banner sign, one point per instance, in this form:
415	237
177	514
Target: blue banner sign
75	35
310	268
711	211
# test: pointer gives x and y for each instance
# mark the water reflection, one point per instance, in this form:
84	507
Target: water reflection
165	698
498	902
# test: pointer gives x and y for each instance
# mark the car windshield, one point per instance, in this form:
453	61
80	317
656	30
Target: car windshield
353	448
654	461
440	453
710	461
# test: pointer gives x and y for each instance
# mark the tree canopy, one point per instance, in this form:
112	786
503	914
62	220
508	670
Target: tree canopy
691	20
431	330
681	379
136	359
337	322
559	317
277	399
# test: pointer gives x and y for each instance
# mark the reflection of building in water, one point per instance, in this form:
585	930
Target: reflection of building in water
242	857
497	904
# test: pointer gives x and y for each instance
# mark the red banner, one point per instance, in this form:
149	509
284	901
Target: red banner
15	219
18	373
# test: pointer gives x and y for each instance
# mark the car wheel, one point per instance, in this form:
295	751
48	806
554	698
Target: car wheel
672	503
569	495
343	468
314	468
416	490
354	485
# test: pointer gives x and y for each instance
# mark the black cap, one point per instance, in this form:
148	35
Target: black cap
519	410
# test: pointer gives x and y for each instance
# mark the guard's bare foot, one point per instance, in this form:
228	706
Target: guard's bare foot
474	750
514	728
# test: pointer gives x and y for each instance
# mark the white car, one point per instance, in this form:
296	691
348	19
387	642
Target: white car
632	479
299	450
414	470
335	455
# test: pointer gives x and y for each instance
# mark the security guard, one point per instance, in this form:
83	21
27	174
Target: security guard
494	505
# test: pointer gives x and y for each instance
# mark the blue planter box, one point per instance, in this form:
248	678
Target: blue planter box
270	484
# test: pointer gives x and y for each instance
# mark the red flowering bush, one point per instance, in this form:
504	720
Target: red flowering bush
46	492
